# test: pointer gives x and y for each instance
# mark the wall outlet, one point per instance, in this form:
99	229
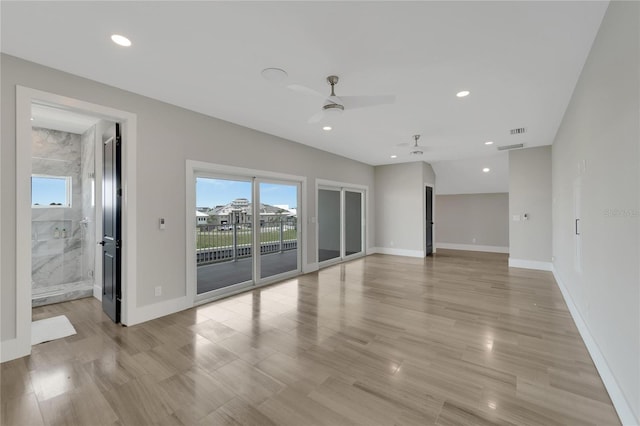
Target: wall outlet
473	240
159	291
391	243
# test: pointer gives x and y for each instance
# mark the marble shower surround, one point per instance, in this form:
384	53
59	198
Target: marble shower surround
59	262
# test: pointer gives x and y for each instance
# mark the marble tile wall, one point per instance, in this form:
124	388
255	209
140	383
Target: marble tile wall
58	237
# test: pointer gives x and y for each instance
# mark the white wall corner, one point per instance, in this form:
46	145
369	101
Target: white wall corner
620	403
371	250
399	252
97	292
530	264
473	247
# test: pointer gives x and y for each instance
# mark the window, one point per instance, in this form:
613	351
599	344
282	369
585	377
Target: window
50	191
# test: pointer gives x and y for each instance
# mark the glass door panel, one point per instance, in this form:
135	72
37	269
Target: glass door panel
279	243
352	222
224	233
329	226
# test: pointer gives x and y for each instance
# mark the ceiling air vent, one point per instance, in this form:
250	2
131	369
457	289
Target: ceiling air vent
517	131
506	147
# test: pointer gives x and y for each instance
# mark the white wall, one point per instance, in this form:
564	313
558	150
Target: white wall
473	222
167	137
530	194
597	144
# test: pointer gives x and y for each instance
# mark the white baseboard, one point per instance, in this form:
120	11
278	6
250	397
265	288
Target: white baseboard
157	310
620	403
473	247
310	267
530	264
398	252
14	348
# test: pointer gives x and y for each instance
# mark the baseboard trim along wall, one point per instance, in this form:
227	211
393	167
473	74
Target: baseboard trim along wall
310	267
398	252
149	312
530	264
473	247
615	393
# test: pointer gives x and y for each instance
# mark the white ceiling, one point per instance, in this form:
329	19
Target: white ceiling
520	60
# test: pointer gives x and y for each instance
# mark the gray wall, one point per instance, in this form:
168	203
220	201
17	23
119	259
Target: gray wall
167	137
597	145
530	193
463	217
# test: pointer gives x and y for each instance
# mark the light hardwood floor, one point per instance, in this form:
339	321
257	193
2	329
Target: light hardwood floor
451	340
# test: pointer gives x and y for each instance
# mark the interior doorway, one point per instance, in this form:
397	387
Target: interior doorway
71	226
428	220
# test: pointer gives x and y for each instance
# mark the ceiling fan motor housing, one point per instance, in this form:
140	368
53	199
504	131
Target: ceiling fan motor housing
333	108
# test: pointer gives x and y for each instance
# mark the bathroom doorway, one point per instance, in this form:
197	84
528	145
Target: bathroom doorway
66	204
25	99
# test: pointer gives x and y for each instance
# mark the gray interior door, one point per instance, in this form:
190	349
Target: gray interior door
429	219
111	223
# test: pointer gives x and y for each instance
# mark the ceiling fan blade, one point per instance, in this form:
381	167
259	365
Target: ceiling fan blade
306	91
353	102
316	117
403	144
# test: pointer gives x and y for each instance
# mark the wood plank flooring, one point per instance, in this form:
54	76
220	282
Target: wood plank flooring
456	339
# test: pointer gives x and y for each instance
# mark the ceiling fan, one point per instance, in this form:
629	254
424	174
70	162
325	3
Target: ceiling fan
415	148
335	105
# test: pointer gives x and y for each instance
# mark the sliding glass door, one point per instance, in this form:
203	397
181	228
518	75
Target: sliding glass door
352	222
246	232
329	227
224	233
279	250
340	223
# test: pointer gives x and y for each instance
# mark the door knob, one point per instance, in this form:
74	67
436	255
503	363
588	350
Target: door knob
102	243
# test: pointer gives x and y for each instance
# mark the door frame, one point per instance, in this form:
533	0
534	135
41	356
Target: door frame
196	169
424	218
25	97
342	187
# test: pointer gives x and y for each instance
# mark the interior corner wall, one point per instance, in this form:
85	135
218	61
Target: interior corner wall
473	222
597	147
530	195
399	206
167	136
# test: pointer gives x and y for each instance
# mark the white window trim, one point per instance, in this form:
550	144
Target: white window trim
68	182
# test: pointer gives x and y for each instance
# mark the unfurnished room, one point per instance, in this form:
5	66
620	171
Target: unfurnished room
320	213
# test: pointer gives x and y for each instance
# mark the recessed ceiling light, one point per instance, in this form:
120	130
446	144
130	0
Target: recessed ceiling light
488	143
31	118
486	170
327	128
274	74
463	93
394	156
121	40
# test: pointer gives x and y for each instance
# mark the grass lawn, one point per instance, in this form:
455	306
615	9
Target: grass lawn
225	238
